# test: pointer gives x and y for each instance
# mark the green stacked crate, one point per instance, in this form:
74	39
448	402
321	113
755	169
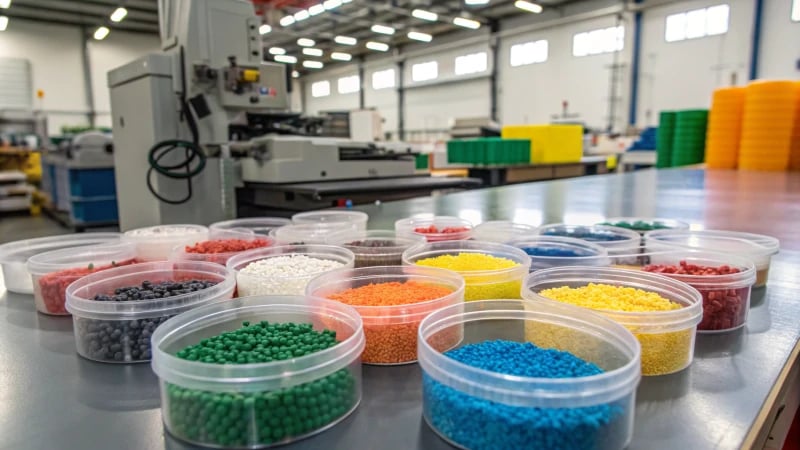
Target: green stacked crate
689	140
422	161
666	131
489	151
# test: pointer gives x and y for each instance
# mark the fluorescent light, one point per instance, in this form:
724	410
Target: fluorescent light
345	40
476	2
301	15
316	10
796	10
339	56
313	64
377	46
295	74
305	42
331	4
528	6
117	15
417	36
264	29
466	23
3	23
312	52
285	59
5	4
101	33
276	51
286	21
382	29
425	15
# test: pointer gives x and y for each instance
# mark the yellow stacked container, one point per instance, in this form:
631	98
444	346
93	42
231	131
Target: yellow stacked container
724	128
550	144
768	125
794	160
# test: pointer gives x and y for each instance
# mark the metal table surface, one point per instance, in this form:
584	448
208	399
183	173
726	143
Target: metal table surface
51	398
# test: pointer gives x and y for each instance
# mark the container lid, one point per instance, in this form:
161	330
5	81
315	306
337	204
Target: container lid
20	251
258	225
331	216
375	242
81	257
164	232
501	231
745	244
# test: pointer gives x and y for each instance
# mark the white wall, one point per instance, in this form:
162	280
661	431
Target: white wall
335	101
780	42
383	100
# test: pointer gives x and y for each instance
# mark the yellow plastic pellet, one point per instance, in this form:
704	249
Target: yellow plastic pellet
480	287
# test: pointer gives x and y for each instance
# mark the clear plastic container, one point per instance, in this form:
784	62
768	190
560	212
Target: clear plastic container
726	298
310	233
257	225
667	337
644	224
14	255
53	271
471	407
180	253
330	216
289	282
446	228
616	240
755	247
376	247
321	388
391	331
481	284
501	231
557	251
120	332
156	243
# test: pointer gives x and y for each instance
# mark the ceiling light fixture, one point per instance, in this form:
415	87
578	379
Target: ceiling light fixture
476	2
312	52
5	4
287	21
417	36
301	15
339	56
331	4
466	23
345	40
295	74
264	29
305	42
285	59
276	51
382	29
117	15
377	46
101	33
425	15
3	23
313	64
316	10
528	6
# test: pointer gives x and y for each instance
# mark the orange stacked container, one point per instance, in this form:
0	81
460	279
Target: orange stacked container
724	128
768	125
794	160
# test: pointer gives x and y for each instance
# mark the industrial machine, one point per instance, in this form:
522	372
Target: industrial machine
207	117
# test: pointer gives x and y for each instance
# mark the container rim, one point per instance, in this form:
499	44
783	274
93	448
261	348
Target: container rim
745	277
251	222
760	244
672	224
10	252
339	254
406	240
643	321
72	258
631	237
257	376
600	252
179	253
91	309
408	224
188	230
319	216
515	229
531	391
316	230
386	315
433	249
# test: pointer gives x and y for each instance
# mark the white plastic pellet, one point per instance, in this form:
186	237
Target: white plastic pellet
156	243
281	275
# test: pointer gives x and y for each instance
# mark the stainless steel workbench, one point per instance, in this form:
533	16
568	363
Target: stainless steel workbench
52	399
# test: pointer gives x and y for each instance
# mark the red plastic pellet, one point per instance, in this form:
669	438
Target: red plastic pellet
723	309
53	286
226	246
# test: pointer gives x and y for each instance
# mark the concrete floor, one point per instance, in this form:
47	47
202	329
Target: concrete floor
21	226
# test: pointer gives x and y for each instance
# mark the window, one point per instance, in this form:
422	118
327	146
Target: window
697	23
472	63
425	71
595	42
796	10
383	79
349	85
321	89
528	53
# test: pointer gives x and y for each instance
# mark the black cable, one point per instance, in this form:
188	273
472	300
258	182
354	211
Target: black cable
192	149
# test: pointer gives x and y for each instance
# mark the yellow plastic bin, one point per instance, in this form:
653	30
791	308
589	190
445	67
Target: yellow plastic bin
549	143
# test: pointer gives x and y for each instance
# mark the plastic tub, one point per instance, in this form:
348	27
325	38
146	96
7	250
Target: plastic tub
755	247
436	228
667	337
644	224
472	407
480	284
190	252
258	225
156	243
556	251
291	282
330	216
258	392
615	240
128	325
53	271
310	233
376	247
14	255
391	331
501	231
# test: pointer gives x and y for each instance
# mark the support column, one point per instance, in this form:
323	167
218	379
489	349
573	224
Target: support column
91	114
494	48
635	61
401	100
755	46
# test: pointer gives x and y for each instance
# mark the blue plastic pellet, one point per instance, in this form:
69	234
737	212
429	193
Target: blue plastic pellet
586	235
554	252
479	424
